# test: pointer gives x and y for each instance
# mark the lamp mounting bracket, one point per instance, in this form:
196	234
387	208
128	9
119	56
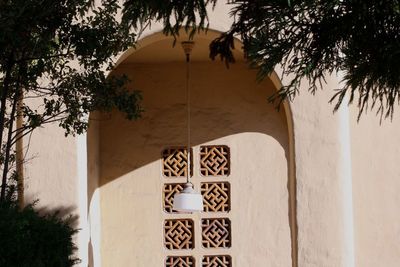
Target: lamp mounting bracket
187	48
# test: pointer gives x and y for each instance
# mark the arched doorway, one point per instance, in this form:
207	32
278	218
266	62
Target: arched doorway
230	114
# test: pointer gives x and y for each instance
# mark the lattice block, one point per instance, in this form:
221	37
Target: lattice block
214	160
169	191
217	261
216	233
174	162
216	196
180	261
179	234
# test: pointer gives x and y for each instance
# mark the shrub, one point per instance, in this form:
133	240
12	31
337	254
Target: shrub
29	239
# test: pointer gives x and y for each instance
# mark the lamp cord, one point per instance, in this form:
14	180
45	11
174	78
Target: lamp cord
188	114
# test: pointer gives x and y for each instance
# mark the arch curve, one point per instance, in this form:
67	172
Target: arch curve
148	53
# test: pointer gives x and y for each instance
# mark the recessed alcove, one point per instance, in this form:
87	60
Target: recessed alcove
229	109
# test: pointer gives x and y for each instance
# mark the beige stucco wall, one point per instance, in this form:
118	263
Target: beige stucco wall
55	176
51	169
375	158
93	194
321	219
326	231
228	108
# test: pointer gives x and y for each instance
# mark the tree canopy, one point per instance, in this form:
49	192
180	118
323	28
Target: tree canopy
311	39
308	39
53	54
53	57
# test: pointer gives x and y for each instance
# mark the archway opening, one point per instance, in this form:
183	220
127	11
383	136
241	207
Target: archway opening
229	109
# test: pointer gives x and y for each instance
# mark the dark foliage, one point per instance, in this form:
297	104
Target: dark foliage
312	39
174	14
308	39
53	61
29	239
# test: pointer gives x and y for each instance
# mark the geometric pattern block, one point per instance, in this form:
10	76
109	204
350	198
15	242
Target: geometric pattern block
169	192
180	261
216	233
179	234
214	160
217	261
216	196
175	162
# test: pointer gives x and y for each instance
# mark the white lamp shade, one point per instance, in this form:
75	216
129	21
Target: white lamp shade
188	200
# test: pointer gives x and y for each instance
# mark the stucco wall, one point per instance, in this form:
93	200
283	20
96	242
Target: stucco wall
51	169
55	176
228	108
93	194
325	236
376	183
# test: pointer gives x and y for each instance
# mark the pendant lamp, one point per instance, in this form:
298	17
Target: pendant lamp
188	200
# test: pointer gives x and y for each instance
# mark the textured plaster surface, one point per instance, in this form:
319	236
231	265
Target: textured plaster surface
51	170
376	185
52	176
93	191
319	211
228	107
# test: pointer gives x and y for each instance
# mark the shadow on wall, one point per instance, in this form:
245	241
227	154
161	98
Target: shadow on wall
228	107
224	102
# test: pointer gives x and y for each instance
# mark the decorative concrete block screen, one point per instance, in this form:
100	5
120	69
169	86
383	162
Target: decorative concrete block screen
216	196
213	230
181	261
214	160
179	234
216	233
168	195
175	162
220	261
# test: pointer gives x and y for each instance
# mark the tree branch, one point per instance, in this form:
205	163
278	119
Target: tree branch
8	146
